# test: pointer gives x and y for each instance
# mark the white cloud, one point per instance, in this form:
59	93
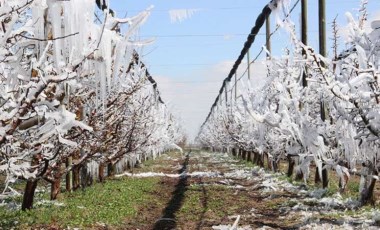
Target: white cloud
193	97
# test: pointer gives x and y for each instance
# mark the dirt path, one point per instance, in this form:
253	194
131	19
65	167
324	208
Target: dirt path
201	190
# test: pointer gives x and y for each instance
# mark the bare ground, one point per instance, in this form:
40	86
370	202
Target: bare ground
232	189
203	190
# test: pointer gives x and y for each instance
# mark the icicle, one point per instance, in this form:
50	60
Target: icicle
179	15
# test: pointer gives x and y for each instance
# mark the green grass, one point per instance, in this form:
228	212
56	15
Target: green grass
158	164
107	203
365	211
242	162
215	201
247	164
351	191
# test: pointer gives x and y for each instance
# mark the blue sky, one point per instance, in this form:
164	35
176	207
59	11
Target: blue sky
190	59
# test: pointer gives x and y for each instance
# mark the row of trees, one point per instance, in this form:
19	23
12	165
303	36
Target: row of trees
74	94
311	110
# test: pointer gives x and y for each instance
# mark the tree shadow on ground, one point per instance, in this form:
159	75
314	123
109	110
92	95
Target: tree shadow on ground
168	219
204	206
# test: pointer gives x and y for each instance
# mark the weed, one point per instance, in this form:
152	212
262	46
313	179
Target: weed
108	203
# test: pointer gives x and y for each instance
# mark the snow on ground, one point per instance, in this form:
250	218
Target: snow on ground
311	207
308	203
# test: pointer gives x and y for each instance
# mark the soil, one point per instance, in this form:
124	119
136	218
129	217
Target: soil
205	190
191	202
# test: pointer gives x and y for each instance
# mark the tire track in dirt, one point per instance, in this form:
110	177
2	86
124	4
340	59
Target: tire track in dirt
212	189
168	220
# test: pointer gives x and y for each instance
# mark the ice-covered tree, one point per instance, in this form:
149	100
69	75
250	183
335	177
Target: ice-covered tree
72	87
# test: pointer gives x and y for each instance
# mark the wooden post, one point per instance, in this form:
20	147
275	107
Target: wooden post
304	21
322	27
304	35
322	51
268	43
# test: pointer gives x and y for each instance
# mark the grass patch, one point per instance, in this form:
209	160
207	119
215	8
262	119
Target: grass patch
365	211
247	164
160	164
109	203
333	187
289	203
213	202
276	203
351	191
242	162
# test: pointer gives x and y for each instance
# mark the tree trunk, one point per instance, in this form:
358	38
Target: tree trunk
249	156
299	176
291	164
366	195
256	157
269	161
69	175
55	189
234	152
343	183
325	177
111	170
101	172
129	165
30	188
299	173
275	165
260	161
244	155
76	177
76	172
83	176
317	178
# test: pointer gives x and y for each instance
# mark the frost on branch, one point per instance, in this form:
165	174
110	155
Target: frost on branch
333	123
179	15
73	88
